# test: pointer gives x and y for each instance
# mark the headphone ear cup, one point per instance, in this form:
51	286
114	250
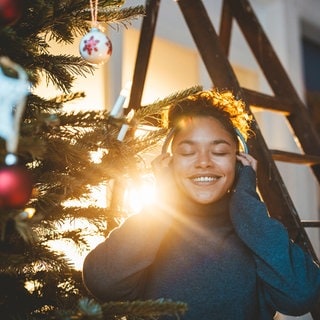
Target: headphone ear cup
238	169
242	141
167	141
245	149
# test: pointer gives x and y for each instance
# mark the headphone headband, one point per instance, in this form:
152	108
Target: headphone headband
242	140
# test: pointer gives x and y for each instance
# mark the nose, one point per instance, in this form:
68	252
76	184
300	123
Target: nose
204	160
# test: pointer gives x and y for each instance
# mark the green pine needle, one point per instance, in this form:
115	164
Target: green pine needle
139	309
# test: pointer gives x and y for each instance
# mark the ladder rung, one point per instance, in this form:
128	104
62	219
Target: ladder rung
310	224
268	102
292	157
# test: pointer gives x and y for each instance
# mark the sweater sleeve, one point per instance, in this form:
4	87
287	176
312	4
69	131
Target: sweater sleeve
288	277
116	268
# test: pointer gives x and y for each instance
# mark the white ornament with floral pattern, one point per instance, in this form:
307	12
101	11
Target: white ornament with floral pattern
95	47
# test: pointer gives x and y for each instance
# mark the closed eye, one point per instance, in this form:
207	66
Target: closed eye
186	154
220	153
217	148
186	149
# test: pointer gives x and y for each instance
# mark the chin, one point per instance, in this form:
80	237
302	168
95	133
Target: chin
208	200
203	200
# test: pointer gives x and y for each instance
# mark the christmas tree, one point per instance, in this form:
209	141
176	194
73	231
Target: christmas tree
49	152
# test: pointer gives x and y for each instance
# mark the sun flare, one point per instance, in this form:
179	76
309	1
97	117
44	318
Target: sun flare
135	197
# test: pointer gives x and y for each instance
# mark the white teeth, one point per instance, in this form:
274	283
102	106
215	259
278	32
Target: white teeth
204	179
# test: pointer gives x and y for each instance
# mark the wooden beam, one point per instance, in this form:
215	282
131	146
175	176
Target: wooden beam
277	77
225	27
310	224
272	103
208	44
143	54
291	157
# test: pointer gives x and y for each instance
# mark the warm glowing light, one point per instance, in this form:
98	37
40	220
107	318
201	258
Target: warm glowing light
67	247
27	213
136	196
140	194
96	156
97	197
31	286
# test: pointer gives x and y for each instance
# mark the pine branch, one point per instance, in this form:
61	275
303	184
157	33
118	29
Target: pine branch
57	147
68	97
154	110
61	69
121	16
149	309
37	257
42	108
146	142
86	119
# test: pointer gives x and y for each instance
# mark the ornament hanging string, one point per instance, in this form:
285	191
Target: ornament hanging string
95	47
94	13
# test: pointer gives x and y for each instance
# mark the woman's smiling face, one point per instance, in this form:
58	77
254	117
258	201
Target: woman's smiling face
203	159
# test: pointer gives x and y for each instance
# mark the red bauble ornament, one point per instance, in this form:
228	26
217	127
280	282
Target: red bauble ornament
15	186
10	11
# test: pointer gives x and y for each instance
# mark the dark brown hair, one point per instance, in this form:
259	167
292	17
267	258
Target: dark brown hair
222	106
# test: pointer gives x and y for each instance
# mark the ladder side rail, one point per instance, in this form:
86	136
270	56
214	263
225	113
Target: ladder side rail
277	77
205	37
143	53
277	198
262	49
225	27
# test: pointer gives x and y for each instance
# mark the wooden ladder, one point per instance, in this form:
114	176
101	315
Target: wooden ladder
214	51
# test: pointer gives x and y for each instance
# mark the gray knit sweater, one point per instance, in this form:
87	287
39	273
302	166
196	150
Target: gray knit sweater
227	261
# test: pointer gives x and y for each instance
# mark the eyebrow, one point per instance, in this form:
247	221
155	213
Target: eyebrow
214	142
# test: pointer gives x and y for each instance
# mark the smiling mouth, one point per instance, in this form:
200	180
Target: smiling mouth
205	179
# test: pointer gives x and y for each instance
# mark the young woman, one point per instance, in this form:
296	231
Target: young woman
208	241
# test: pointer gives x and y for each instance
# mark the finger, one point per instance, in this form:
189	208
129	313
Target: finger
248	160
